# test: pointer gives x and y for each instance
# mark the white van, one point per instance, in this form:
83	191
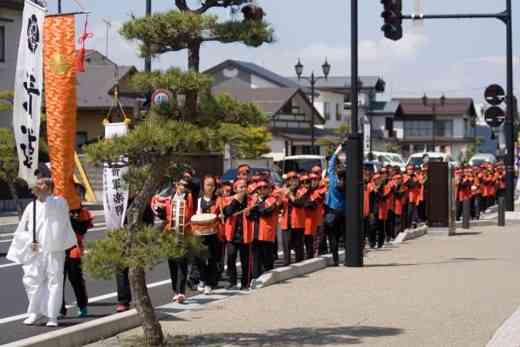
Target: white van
388	158
418	159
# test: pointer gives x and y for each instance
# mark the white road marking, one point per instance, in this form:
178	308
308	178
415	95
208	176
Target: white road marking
8	265
90	300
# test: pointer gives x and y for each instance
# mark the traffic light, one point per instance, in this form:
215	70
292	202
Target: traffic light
392	12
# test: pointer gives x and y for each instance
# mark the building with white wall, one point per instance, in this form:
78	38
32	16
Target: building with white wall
290	112
442	126
10	26
333	96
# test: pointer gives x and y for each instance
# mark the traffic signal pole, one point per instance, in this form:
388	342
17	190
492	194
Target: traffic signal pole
354	235
507	18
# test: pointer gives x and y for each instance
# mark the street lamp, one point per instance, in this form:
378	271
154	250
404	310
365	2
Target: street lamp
298	68
434	114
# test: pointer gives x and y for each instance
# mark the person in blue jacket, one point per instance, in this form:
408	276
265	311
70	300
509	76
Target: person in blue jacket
335	204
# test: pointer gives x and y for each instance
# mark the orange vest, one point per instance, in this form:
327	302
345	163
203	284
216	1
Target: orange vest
314	216
297	215
189	211
266	224
85	217
230	222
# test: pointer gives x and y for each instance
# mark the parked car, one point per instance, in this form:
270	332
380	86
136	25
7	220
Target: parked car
418	159
302	163
387	158
481	158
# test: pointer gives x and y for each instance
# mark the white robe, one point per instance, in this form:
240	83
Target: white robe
43	270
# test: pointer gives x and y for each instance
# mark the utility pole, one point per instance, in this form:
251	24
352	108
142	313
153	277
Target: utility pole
354	148
59	6
148	59
509	127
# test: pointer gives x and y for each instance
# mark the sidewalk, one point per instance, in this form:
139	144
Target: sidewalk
434	291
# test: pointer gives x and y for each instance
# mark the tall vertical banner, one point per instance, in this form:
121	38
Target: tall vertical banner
60	103
28	91
115	191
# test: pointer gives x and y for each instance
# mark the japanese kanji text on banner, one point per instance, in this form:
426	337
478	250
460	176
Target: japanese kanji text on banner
115	190
28	91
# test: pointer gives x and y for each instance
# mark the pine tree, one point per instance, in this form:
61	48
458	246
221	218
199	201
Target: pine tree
157	147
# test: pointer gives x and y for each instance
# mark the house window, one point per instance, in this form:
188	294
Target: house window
418	128
444	128
326	110
338	112
389	126
418	148
2	44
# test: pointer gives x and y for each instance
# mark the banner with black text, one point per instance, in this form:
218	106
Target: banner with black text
28	91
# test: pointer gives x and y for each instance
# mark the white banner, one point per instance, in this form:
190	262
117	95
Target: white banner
115	191
28	91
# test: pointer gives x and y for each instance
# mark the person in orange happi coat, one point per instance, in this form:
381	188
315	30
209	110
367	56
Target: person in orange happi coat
400	192
238	235
320	239
293	218
179	224
81	221
414	190
263	215
314	212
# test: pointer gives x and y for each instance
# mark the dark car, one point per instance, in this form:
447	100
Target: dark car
231	174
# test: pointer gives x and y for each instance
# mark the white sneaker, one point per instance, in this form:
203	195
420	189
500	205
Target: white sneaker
33	318
175	297
200	286
207	290
181	298
52	323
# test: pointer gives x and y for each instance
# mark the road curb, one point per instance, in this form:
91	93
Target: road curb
83	333
508	334
410	234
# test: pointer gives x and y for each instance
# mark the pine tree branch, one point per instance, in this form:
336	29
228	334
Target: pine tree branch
182	5
208	4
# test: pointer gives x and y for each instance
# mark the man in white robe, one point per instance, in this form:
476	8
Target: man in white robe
43	260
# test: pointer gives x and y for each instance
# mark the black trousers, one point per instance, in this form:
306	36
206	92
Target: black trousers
208	265
178	274
293	239
124	294
262	256
390	226
74	273
376	234
413	214
309	246
335	230
233	249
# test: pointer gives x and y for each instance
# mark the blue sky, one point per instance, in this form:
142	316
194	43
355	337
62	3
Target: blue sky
454	57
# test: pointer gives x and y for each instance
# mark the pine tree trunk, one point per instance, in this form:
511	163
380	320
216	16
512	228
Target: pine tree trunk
153	333
14	195
152	329
193	65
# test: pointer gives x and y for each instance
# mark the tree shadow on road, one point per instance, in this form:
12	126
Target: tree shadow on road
339	336
449	261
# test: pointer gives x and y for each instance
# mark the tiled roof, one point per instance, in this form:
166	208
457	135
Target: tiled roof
256	70
269	100
94	84
451	106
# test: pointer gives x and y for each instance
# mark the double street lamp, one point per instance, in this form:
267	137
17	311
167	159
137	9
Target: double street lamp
434	114
312	80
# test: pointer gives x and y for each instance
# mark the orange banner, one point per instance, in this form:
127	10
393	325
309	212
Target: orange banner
60	103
